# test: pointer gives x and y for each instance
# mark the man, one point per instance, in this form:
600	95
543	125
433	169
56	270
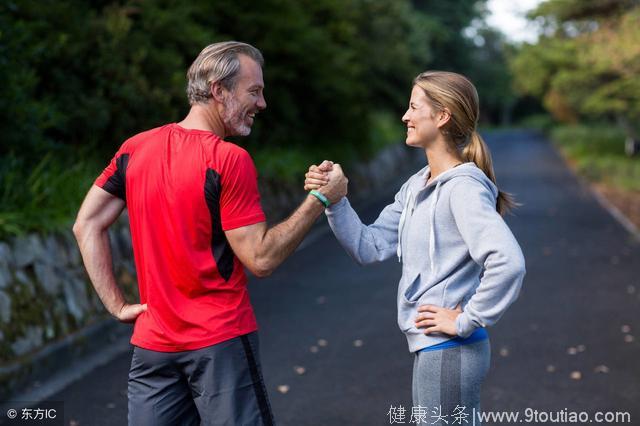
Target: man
195	219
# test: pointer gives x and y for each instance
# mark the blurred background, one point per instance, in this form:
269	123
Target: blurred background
556	76
79	77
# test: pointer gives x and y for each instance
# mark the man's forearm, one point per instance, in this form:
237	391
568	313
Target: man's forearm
281	240
96	254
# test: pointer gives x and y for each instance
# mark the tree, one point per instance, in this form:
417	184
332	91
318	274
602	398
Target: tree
586	64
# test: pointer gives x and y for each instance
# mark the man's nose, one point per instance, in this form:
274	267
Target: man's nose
262	103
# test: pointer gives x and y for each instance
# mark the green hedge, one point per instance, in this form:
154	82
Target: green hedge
598	152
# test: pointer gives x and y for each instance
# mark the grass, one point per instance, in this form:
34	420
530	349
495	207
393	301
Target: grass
598	154
43	196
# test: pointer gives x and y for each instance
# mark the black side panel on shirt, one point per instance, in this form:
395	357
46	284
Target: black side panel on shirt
222	252
116	184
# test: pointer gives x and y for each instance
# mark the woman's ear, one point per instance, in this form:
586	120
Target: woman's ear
443	117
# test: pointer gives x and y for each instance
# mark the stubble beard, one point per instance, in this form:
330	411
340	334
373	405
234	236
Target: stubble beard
233	118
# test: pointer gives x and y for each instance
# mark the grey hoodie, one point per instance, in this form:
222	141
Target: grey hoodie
453	245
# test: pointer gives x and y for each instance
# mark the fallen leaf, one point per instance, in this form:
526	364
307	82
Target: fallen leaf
283	389
601	369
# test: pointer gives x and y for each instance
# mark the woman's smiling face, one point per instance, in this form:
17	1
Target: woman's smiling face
420	119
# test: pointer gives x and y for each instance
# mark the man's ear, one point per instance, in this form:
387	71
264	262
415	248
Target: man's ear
218	92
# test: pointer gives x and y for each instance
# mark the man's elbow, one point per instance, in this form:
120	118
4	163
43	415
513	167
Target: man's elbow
78	229
261	273
262	268
82	228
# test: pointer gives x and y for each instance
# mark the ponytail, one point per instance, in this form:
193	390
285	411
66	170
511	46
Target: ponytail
478	152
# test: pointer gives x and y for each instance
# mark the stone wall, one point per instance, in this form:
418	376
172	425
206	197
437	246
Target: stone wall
45	295
46	299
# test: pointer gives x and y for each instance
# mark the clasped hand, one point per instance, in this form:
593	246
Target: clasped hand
329	179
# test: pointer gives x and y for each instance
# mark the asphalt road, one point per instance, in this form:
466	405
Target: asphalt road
571	343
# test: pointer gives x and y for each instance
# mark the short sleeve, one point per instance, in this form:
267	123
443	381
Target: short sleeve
113	178
240	199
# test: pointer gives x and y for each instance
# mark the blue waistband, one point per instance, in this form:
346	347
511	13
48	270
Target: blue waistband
476	336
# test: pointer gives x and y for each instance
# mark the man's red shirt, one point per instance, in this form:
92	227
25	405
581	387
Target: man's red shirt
184	188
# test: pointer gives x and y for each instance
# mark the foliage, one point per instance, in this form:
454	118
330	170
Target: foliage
44	197
586	65
80	77
542	122
597	152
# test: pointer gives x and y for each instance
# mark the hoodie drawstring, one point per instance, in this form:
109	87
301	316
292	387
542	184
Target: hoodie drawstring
432	232
403	217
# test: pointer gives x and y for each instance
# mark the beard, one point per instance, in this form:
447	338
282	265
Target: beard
234	117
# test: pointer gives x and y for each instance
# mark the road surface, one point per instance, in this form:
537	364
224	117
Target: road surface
571	343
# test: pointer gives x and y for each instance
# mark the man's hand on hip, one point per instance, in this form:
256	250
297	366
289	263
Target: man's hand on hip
130	312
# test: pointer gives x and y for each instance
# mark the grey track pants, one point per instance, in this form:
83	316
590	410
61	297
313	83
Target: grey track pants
447	382
218	385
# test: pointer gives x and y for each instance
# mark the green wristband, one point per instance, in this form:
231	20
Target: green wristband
324	200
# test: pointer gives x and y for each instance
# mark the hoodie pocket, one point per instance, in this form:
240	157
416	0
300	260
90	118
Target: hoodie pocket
413	292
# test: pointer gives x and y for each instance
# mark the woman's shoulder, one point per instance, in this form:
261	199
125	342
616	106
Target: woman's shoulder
467	192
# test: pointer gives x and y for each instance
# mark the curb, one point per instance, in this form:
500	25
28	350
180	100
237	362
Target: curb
69	359
617	215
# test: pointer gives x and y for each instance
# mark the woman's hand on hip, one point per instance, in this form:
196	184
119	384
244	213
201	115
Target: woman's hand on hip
435	319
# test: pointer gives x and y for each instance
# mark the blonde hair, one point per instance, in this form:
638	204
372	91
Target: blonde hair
456	94
217	62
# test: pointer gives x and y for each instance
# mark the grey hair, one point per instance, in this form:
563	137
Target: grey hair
217	62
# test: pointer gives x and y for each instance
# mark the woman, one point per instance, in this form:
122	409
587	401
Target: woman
461	265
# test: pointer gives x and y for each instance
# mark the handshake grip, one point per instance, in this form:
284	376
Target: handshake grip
329	179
